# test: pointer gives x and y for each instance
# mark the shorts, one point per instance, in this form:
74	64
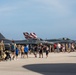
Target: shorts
26	53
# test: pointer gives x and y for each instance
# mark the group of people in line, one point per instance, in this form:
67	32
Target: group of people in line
24	50
64	47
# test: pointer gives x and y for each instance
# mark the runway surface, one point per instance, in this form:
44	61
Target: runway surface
55	64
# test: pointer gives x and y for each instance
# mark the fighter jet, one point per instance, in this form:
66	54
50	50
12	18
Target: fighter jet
30	39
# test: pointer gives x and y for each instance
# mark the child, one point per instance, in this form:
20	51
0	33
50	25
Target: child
17	53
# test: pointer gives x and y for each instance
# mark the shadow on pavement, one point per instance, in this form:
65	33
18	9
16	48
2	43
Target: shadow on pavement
54	69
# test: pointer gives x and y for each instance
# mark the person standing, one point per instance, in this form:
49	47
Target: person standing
26	48
35	51
22	51
13	48
41	51
47	51
17	52
63	47
58	47
2	47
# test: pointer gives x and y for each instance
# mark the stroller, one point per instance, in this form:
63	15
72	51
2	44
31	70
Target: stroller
7	55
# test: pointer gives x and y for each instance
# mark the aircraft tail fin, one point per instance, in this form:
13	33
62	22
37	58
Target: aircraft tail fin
1	36
30	35
26	35
33	35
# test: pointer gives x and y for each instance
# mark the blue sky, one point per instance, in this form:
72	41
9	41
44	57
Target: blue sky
47	18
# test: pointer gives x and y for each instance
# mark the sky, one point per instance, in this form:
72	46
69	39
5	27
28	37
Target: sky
49	19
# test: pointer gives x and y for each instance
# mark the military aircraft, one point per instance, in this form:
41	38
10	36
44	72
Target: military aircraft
32	39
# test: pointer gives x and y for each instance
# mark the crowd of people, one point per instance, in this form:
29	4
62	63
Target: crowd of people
37	50
22	50
64	47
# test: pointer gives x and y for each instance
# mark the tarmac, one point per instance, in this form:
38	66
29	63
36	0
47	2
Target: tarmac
55	64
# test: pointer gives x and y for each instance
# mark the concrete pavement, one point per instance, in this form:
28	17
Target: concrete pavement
55	64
